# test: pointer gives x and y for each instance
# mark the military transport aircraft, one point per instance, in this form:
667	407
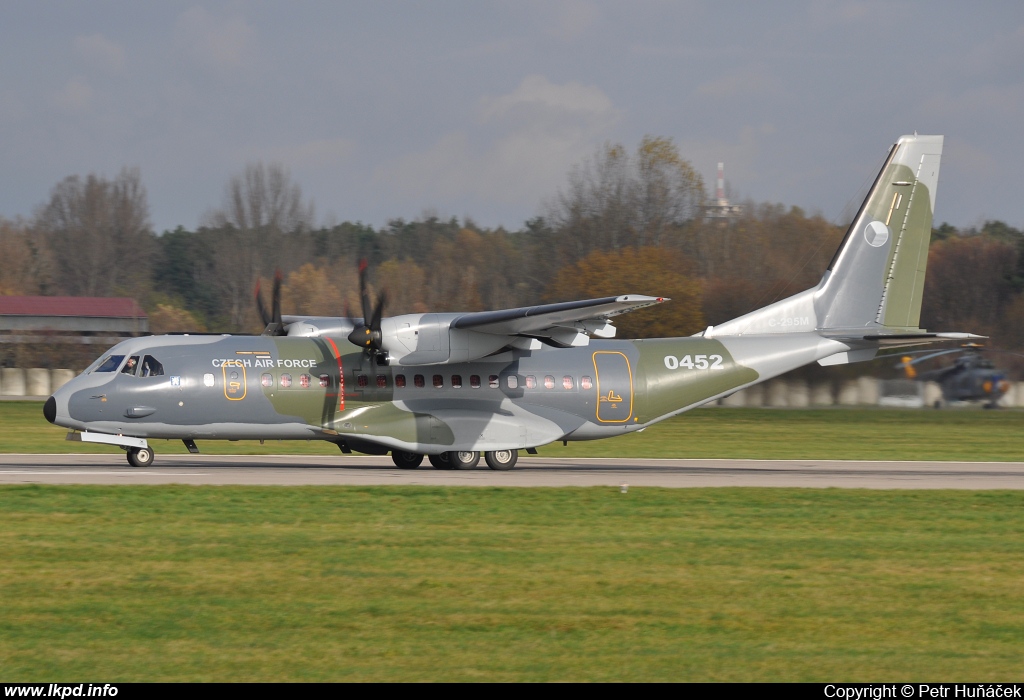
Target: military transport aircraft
453	385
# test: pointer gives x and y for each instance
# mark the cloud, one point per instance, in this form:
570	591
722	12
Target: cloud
100	52
747	81
221	43
519	151
569	19
320	153
75	96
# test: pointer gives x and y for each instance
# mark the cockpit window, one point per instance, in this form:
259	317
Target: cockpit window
151	367
110	364
131	365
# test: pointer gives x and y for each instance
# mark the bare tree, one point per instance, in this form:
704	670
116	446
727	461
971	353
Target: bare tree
616	200
99	235
262	209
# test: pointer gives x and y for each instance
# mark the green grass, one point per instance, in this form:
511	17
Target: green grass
409	583
971	435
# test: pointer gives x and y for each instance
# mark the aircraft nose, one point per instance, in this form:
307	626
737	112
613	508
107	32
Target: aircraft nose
50	409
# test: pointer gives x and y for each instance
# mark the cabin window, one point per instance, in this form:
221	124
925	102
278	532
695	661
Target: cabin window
304	381
418	381
234	375
438	381
361	381
586	383
286	381
325	380
474	381
400	381
110	364
492	381
513	381
151	367
131	365
382	381
208	379
456	381
549	382
267	380
567	382
531	381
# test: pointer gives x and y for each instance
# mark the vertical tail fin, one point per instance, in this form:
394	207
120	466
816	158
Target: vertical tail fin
875	281
876	278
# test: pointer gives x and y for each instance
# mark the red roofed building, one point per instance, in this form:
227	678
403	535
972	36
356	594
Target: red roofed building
103	320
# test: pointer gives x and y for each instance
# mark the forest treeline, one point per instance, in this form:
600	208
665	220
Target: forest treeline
625	222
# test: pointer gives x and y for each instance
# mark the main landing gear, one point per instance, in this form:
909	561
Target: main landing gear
500	460
140	456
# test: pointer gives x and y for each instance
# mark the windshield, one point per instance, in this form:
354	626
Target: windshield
110	364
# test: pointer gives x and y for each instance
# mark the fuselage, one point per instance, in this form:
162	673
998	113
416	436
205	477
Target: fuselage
283	388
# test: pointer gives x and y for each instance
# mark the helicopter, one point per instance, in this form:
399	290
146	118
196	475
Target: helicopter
970	378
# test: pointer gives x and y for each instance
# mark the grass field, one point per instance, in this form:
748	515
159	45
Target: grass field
238	583
715	432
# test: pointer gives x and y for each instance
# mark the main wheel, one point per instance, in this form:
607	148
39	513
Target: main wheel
502	460
441	461
140	456
406	460
463	460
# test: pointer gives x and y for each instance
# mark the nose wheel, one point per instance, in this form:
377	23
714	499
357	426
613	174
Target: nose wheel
140	456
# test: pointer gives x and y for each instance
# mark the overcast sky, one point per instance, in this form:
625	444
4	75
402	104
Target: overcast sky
390	109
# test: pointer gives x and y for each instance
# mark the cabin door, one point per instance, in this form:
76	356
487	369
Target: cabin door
614	387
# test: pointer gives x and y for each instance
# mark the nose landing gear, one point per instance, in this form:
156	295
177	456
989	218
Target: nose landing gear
140	456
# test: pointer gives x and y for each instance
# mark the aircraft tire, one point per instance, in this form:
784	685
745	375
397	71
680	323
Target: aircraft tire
501	460
140	456
441	461
406	460
463	460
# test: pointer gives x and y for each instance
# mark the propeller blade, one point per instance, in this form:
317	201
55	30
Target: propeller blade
260	307
276	298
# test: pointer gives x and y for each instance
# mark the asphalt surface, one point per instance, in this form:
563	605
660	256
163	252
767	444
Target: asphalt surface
530	471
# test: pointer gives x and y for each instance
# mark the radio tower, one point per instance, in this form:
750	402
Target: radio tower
719	208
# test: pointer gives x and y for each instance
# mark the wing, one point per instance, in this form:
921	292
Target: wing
535	320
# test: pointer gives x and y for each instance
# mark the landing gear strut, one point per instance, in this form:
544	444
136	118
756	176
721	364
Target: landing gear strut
140	456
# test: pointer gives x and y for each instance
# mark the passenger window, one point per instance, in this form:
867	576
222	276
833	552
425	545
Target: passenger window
286	381
267	380
531	381
152	368
438	381
361	381
418	381
325	380
513	381
110	364
586	383
456	381
492	381
567	382
549	382
304	381
400	381
131	365
382	381
474	381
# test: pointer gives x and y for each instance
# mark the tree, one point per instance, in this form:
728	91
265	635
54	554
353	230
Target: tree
262	209
652	271
25	265
99	235
617	200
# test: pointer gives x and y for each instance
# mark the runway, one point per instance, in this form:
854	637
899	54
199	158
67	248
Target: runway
530	472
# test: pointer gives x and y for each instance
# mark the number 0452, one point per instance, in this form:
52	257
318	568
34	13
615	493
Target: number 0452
694	362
